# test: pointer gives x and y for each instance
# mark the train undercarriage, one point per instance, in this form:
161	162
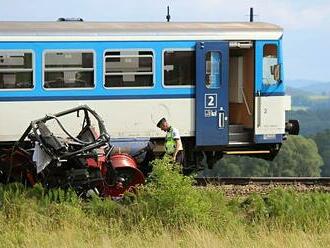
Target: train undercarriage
197	159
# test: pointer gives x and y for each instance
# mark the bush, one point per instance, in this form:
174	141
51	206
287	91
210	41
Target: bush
168	201
171	198
289	209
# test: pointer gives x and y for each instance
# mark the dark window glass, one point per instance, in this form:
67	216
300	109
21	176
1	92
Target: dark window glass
69	70
179	68
213	70
16	70
129	69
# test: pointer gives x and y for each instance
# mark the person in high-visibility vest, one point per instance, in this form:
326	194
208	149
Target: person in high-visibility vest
173	143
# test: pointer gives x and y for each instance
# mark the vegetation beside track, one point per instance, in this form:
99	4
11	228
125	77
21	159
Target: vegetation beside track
167	211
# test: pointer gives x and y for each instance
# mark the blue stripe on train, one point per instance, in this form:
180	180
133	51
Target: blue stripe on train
268	139
91	97
99	48
157	91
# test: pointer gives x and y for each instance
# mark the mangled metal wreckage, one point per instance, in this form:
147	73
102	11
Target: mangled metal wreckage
84	162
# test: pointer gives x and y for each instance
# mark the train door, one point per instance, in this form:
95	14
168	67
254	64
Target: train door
212	123
271	102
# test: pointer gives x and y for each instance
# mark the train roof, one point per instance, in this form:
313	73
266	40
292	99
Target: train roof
144	31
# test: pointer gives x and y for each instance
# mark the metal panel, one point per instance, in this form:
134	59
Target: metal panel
135	118
212	60
270	114
269	138
236	79
263	88
146	31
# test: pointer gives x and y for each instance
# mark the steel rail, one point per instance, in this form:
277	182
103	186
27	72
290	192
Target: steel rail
205	181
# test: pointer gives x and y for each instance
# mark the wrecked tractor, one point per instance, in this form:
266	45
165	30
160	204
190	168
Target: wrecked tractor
54	153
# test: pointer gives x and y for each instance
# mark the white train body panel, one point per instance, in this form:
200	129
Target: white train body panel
270	114
123	118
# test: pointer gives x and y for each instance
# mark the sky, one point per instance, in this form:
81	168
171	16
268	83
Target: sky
306	23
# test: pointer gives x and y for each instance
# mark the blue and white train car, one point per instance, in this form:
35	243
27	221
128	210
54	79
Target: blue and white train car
220	84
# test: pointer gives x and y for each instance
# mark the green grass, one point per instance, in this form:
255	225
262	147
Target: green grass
168	211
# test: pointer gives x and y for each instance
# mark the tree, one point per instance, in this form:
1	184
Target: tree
298	157
322	140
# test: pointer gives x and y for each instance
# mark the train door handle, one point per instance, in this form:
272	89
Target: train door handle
221	120
259	111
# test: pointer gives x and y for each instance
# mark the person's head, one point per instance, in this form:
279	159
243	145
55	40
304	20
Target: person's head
163	124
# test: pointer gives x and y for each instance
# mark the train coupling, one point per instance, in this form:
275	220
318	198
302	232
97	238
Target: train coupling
292	127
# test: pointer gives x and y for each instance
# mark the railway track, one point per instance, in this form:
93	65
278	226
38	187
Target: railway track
307	181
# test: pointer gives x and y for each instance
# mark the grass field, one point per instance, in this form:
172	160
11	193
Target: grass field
167	212
191	237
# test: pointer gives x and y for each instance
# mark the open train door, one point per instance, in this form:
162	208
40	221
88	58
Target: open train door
212	125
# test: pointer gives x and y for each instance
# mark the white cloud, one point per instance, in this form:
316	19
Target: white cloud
294	16
290	14
306	22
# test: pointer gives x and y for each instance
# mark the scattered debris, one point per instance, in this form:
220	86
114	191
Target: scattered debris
84	161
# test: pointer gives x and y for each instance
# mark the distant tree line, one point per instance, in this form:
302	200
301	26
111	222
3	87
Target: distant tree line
298	156
311	121
311	103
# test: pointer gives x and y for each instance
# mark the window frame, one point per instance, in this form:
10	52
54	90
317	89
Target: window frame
72	51
33	68
131	49
163	64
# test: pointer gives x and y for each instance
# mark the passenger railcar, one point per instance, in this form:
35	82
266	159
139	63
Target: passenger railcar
220	84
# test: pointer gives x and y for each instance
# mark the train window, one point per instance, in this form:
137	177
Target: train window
271	68
74	69
179	68
213	70
128	69
16	70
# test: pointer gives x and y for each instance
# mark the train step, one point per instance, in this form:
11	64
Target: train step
239	134
239	137
236	128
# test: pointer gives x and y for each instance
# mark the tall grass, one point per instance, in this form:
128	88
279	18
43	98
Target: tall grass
167	210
